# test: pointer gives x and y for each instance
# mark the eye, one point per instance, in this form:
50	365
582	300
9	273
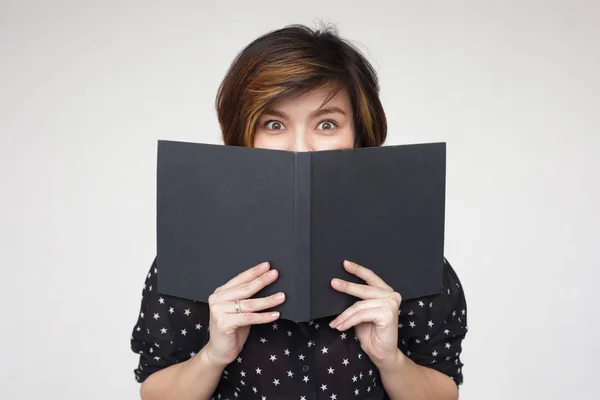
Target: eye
326	125
274	125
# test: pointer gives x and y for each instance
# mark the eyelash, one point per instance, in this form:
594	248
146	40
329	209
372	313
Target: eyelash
322	122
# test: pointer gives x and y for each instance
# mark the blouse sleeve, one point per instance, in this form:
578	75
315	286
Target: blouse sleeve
168	329
431	329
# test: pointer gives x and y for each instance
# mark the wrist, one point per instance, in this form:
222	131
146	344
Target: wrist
394	364
207	358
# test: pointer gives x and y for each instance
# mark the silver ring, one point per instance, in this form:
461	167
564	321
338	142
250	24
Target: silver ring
237	306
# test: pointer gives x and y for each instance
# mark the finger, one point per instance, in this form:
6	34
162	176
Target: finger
364	292
359	306
379	316
245	319
249	289
251	305
370	277
246	276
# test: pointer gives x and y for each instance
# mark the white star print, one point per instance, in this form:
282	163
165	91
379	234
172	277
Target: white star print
423	324
302	397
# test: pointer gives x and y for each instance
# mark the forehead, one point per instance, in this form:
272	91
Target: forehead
315	99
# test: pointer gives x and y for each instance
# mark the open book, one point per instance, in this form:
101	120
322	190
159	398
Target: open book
223	209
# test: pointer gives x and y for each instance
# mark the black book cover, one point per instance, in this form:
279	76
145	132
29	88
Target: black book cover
222	209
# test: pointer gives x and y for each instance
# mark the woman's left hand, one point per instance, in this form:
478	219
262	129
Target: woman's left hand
374	318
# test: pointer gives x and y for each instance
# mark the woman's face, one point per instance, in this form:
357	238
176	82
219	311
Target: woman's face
301	124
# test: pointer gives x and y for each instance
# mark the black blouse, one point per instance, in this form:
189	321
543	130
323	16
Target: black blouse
310	360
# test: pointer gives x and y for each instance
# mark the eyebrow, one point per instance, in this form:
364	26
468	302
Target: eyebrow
317	113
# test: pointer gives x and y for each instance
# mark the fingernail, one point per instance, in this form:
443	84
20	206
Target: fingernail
275	314
280	296
272	272
336	282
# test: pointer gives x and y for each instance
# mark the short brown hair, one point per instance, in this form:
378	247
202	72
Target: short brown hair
291	61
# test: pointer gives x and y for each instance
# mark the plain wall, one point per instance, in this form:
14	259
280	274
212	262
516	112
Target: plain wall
87	88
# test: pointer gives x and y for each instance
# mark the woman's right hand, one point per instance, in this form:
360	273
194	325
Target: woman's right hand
229	329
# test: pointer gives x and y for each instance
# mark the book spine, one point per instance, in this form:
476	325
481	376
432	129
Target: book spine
302	236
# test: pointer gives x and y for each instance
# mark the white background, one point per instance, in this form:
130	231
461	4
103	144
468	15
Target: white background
87	88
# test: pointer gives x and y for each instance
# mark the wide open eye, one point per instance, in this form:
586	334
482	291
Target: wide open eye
274	125
327	125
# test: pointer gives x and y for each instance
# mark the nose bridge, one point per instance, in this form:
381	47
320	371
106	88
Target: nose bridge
301	138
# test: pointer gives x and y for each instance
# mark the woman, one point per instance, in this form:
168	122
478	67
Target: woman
300	90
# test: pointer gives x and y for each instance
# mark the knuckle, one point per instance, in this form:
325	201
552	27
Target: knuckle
248	305
247	318
397	297
212	298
